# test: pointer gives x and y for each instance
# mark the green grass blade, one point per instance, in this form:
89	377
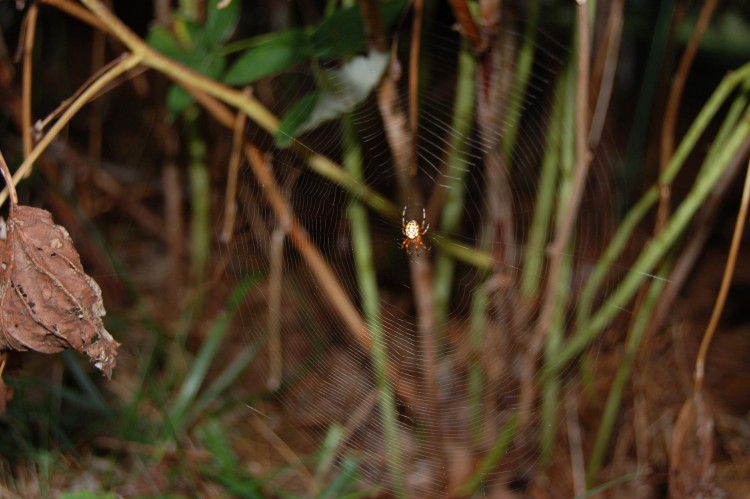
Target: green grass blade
207	353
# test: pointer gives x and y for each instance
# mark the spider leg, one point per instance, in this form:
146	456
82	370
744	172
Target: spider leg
405	245
403	214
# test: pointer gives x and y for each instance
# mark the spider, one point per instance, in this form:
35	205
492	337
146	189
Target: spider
413	232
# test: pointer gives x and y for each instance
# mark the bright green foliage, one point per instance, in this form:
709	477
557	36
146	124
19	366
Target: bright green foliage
196	46
270	54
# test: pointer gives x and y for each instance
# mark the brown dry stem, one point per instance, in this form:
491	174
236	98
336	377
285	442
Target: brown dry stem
29	33
123	64
726	281
230	196
467	26
666	149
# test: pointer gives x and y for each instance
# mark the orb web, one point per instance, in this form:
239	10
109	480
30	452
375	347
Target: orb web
323	376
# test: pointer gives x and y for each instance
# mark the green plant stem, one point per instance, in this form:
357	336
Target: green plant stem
456	170
654	252
612	406
634	216
200	198
368	289
521	74
533	262
559	288
555	335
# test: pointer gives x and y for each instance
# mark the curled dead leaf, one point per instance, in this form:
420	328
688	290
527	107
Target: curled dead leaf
47	302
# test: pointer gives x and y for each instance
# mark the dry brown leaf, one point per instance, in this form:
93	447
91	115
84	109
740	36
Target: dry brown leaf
47	302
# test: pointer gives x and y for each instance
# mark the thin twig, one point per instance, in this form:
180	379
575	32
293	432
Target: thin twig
285	452
583	160
75	10
275	276
29	33
230	196
704	225
304	246
124	63
8	181
726	281
673	105
608	58
414	54
336	294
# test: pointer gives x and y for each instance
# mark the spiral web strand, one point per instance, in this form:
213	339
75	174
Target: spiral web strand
326	378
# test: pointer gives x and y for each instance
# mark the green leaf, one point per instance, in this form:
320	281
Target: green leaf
347	88
162	40
342	33
271	53
220	23
178	99
215	439
297	116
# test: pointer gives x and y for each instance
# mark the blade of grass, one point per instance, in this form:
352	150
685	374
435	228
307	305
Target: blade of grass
327	452
224	380
84	382
646	92
614	399
207	353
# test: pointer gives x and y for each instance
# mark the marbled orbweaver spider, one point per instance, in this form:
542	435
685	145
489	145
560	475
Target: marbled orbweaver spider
413	232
